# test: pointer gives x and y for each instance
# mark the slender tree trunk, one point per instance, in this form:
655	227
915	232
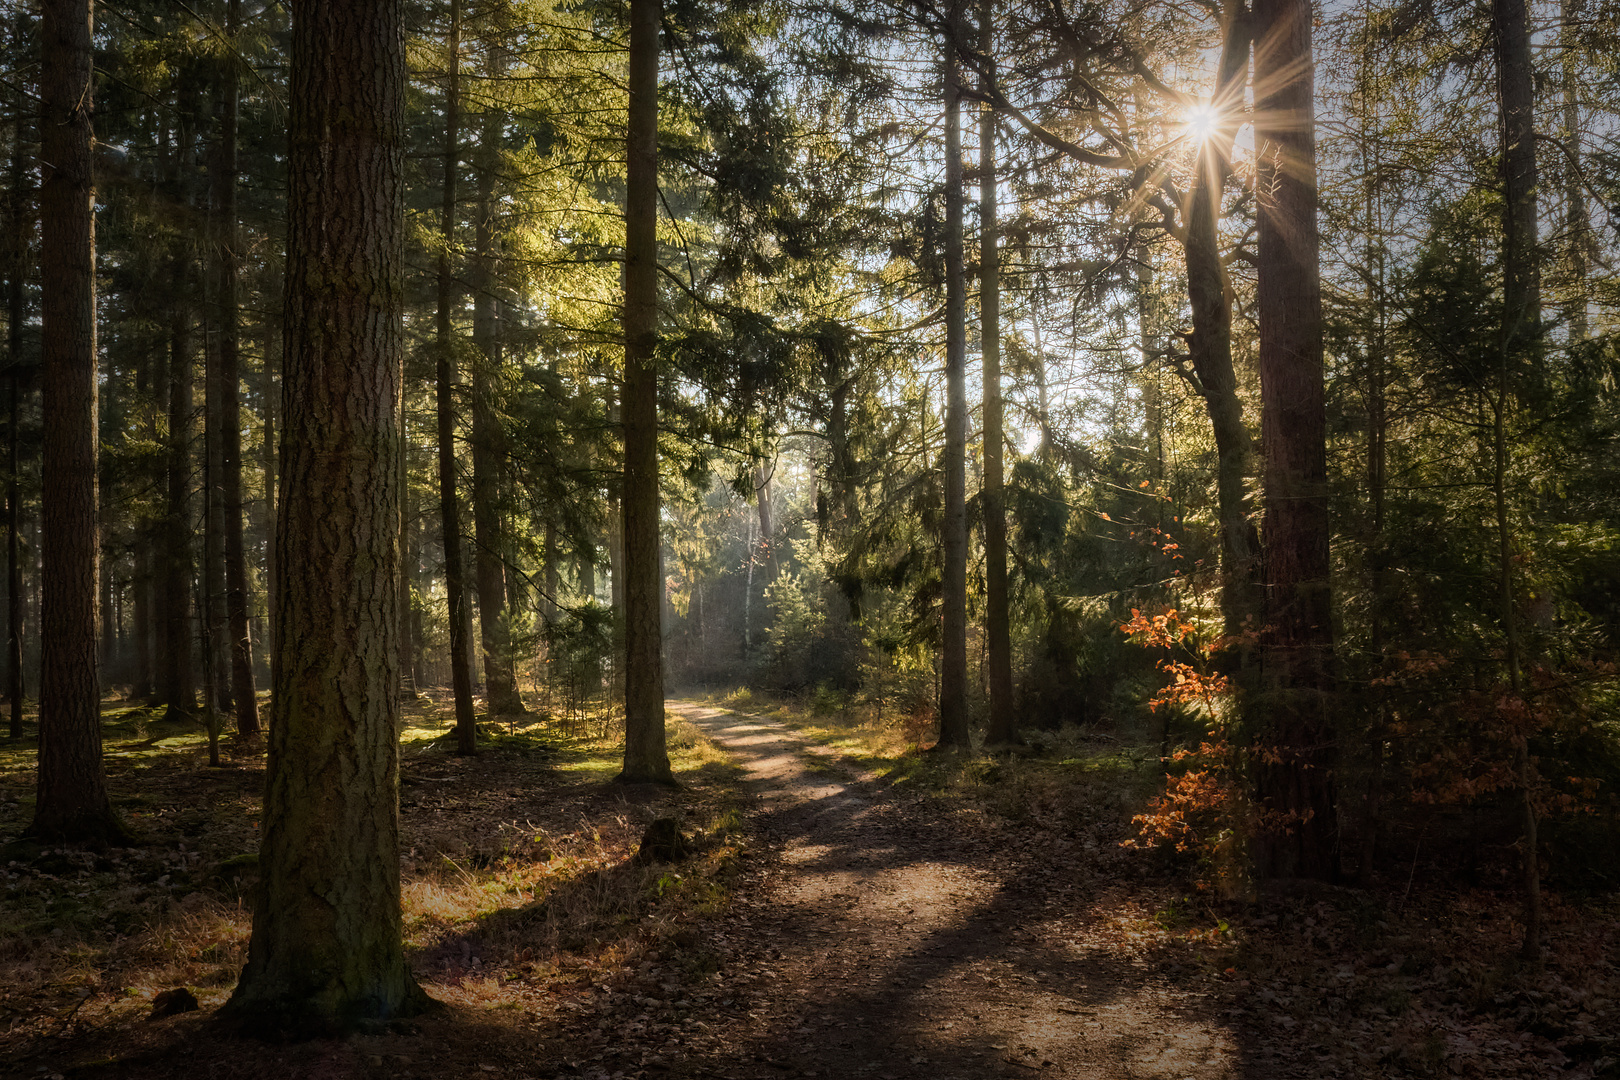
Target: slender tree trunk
211	605
763	471
587	573
1209	292
1377	546
548	603
176	687
272	399
230	378
1520	348
109	610
449	504
141	614
16	312
1577	221
1510	24
215	647
1294	765
953	720
489	443
646	759
840	513
615	509
1043	403
408	558
14	576
325	954
1001	729
71	802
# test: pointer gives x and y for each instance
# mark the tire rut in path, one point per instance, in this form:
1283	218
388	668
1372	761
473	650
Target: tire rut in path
886	936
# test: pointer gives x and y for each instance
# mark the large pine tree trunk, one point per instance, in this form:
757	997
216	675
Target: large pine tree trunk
1295	759
489	444
1001	729
230	389
646	759
72	802
325	953
455	585
953	719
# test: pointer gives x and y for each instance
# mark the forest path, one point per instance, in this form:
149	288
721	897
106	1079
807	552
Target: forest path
890	937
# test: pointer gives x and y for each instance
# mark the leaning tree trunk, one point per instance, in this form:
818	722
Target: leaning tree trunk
71	803
455	585
646	759
1294	757
1000	730
230	390
325	954
953	720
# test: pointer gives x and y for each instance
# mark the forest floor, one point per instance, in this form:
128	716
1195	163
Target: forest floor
849	911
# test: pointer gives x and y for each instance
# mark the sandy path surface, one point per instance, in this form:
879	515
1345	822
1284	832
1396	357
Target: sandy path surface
885	936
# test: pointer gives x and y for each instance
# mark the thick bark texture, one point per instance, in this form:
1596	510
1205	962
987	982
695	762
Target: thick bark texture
455	585
646	758
953	720
72	801
1001	729
325	953
230	404
1293	730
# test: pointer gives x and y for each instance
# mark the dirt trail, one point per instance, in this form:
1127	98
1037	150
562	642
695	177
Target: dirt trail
887	937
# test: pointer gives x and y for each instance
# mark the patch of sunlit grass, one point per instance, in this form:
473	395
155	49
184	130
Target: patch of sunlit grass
692	753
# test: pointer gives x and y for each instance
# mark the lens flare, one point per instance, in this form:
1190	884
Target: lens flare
1201	121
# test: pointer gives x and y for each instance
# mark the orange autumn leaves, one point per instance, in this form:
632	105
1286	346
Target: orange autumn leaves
1188	684
1196	810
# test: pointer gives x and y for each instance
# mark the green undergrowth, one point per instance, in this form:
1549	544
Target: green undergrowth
1068	773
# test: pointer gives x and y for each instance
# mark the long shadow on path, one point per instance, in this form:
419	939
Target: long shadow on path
891	939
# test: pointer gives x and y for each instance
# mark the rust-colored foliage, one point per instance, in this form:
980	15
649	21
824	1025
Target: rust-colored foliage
1188	684
1486	729
1202	802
